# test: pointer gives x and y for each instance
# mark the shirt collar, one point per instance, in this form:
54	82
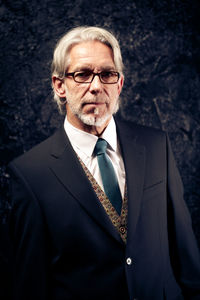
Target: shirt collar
86	142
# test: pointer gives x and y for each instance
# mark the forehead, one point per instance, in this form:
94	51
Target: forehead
93	54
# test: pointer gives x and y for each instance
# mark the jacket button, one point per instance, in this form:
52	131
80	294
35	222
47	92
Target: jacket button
129	261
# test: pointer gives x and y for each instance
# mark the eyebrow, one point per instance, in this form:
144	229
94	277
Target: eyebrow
90	67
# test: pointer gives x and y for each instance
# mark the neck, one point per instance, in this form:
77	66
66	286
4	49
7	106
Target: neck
95	130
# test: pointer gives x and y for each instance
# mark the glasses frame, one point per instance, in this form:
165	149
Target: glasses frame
94	74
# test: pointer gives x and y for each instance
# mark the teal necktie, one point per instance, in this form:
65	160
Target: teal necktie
109	178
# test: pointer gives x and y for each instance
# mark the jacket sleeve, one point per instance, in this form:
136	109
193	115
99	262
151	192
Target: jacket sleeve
184	252
28	238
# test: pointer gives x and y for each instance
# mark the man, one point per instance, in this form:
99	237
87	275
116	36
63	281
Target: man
76	236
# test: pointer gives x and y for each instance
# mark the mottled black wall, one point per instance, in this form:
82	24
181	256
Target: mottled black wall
160	48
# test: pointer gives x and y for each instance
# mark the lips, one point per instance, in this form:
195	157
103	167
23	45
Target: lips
94	103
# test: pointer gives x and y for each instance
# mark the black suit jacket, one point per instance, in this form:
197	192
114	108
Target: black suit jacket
66	246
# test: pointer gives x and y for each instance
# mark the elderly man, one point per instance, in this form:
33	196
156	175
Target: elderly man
98	210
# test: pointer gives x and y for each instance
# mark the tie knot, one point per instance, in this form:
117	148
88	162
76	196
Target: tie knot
100	147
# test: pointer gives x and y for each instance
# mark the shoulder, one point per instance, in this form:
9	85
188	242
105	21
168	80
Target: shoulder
141	134
40	154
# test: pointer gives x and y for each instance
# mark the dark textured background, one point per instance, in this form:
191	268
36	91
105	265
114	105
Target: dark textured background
160	48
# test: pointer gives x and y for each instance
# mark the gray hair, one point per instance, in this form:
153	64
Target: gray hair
75	36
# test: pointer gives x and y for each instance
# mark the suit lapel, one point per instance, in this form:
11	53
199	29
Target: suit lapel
134	161
68	170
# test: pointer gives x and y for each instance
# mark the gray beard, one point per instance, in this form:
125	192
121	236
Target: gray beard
92	120
95	120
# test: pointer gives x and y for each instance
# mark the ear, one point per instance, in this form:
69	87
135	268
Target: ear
120	84
59	87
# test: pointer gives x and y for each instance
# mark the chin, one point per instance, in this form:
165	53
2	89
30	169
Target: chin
94	120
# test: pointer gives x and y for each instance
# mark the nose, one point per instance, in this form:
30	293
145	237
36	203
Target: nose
95	85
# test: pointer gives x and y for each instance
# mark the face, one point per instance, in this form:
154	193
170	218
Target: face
94	103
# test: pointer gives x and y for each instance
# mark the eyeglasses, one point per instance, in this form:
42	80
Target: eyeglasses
107	77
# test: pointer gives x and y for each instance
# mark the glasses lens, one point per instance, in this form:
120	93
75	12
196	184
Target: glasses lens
83	76
105	76
109	77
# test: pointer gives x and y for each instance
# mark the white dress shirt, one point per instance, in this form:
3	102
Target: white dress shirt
84	143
